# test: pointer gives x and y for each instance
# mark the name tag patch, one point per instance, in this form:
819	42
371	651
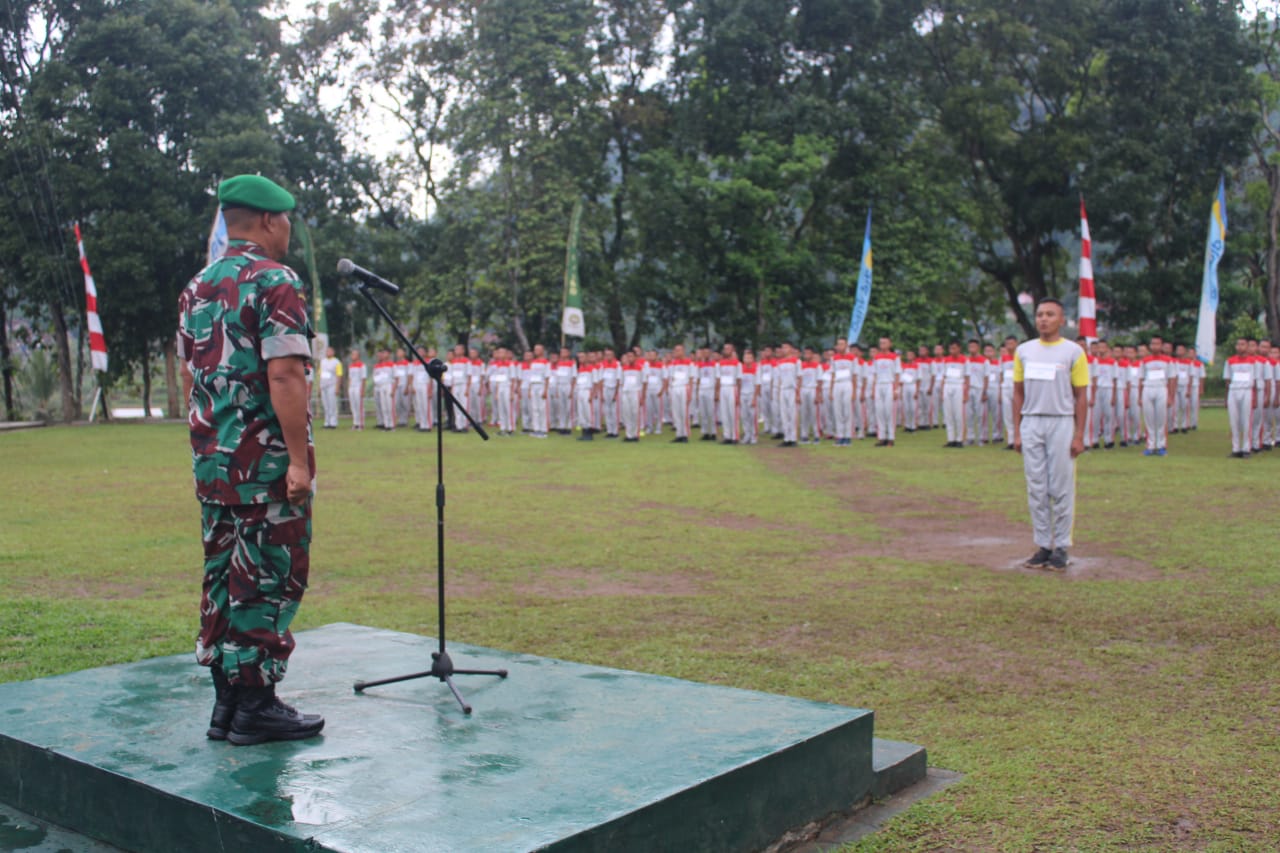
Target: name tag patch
1040	372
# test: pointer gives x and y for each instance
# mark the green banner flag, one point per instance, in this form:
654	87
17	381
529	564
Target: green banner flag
572	322
318	322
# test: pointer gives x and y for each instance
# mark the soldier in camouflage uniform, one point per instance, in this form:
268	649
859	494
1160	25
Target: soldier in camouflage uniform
244	339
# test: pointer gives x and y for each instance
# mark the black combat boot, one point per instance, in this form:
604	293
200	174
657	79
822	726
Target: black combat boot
260	716
225	696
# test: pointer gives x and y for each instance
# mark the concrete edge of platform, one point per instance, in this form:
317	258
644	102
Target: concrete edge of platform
899	769
872	816
49	785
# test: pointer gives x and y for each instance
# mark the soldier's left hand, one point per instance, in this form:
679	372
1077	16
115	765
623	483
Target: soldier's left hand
298	484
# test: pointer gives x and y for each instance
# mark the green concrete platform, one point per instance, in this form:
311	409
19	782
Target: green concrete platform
559	756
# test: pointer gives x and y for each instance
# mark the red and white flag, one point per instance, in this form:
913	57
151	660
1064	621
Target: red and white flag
1088	303
97	343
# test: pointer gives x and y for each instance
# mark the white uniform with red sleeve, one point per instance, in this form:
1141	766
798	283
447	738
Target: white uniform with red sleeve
356	376
887	372
910	394
728	373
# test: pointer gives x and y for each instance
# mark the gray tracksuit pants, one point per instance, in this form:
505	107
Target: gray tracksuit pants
1051	477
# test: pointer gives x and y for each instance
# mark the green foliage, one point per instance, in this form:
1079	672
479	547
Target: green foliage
38	382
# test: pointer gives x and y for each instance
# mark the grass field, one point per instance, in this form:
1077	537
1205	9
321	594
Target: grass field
1133	703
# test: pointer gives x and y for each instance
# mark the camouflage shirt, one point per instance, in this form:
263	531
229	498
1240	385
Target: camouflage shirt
234	316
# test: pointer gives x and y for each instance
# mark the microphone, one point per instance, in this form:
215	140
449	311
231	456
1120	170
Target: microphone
345	267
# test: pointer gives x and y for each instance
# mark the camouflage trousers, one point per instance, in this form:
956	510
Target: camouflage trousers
256	560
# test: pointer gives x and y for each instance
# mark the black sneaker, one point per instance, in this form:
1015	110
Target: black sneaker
261	717
1039	559
1058	561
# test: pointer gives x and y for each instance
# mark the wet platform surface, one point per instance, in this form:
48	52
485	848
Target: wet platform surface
559	756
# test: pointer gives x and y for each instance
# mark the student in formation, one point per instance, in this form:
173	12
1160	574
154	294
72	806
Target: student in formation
1262	383
991	429
536	378
1006	388
938	362
1155	389
887	390
678	388
356	376
384	385
1272	419
502	379
584	397
1132	421
632	396
400	389
421	383
728	374
910	390
1242	395
843	368
749	397
975	404
706	394
764	384
955	394
827	416
810	397
655	373
1050	407
610	375
859	392
786	372
330	378
1197	386
924	389
1107	404
560	391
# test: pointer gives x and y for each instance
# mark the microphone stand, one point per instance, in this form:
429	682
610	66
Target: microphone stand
441	664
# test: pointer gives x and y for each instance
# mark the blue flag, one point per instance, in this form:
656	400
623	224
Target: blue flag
1206	327
864	287
217	238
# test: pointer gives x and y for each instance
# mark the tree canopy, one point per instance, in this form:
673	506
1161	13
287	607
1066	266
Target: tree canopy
727	153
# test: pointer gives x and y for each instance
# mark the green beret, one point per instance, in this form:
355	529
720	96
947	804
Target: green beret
256	192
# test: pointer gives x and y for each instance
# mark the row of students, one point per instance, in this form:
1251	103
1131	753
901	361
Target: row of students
1138	394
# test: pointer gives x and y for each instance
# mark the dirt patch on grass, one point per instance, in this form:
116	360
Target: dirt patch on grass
941	529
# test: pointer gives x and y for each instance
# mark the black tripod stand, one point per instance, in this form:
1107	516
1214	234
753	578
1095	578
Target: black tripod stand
441	664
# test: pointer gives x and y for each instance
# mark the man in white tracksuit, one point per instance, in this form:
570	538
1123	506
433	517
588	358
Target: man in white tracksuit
330	379
887	389
955	393
356	376
844	366
1241	397
728	379
384	384
1050	408
678	387
976	403
786	376
631	396
1155	389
